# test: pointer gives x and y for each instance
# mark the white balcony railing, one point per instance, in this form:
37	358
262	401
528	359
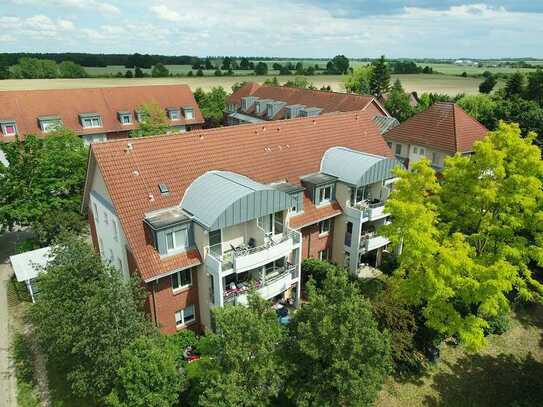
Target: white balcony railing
372	241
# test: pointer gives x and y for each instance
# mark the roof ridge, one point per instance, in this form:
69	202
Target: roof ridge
324	92
100	88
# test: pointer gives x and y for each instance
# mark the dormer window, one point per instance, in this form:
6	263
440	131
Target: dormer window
139	116
90	120
177	240
9	127
188	112
174	113
50	123
324	194
125	118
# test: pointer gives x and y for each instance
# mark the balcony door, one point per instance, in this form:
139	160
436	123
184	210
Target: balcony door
215	242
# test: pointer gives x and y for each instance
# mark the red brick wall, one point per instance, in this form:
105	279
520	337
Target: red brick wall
167	303
92	227
313	243
114	135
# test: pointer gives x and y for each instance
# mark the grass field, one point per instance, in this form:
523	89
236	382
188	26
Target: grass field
421	83
507	372
452	69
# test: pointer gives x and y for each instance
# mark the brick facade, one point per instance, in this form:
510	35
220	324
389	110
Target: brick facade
313	242
162	303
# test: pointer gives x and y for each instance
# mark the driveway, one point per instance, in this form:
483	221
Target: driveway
8	386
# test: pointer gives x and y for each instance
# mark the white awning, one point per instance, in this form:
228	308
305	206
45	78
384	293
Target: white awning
28	265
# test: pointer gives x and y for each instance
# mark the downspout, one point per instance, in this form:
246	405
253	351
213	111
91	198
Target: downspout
155	316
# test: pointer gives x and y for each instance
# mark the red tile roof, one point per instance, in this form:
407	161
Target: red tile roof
266	153
328	101
313	214
444	126
26	106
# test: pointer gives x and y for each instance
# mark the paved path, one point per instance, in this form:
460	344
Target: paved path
8	385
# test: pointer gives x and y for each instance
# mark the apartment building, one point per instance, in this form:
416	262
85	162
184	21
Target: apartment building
441	131
254	103
202	218
96	114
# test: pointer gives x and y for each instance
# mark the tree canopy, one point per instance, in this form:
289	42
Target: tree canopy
153	121
359	80
398	103
380	78
212	104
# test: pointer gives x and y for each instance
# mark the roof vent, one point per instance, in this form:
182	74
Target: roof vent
129	147
163	188
151	198
136	173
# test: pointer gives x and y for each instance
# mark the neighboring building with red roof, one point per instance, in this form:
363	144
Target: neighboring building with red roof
254	103
96	114
202	217
442	130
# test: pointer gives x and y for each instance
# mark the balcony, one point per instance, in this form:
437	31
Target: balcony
375	210
243	257
268	286
372	241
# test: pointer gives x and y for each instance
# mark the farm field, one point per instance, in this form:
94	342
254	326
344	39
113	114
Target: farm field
451	85
452	69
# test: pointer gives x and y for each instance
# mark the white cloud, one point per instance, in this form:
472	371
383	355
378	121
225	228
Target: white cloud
164	13
100	6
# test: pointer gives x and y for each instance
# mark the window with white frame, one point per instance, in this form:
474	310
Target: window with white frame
421	151
177	240
125	118
189	113
325	255
324	194
435	158
324	226
9	128
398	149
91	122
415	150
181	279
115	229
48	125
174	114
140	116
185	316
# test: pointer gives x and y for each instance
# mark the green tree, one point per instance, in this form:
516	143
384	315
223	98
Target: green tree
338	65
299	82
534	89
138	73
398	103
261	68
148	375
34	68
69	69
84	317
43	176
380	78
218	72
515	85
128	74
338	355
213	104
208	64
527	113
488	84
160	71
153	121
482	108
4	68
226	63
56	223
244	64
199	72
244	356
358	81
272	81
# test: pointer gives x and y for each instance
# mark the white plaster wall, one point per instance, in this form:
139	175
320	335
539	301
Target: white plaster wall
3	158
111	249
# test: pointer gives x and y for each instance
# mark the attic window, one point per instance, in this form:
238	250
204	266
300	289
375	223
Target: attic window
49	123
90	120
163	188
9	128
174	113
188	112
125	118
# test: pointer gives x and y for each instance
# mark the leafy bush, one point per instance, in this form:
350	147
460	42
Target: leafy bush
499	324
22	357
316	269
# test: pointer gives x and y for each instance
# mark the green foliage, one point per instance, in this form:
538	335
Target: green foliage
380	78
56	223
515	85
272	82
153	121
128	74
499	324
338	354
488	84
21	353
317	270
527	113
339	65
34	68
235	87
534	89
398	103
480	107
149	374
261	68
69	69
199	72
212	104
138	73
44	175
243	358
358	81
300	82
84	317
160	71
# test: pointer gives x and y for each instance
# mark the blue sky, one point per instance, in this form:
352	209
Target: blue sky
290	28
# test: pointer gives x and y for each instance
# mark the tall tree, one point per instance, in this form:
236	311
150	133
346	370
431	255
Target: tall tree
261	68
160	71
488	84
85	315
380	78
212	104
244	356
398	103
149	374
44	175
534	89
226	63
515	85
339	357
338	65
358	81
153	121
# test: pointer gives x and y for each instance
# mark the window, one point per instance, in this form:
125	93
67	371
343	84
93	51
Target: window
189	113
265	222
215	246
211	289
324	194
325	254
415	150
324	226
140	116
348	234
184	316
434	158
257	108
389	144
115	229
182	279
398	149
91	122
106	218
125	118
421	151
177	239
174	114
50	125
278	220
9	129
346	259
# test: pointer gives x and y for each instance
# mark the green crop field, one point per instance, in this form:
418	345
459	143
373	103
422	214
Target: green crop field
451	85
453	69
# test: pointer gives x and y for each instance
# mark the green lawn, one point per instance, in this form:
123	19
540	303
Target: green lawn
508	372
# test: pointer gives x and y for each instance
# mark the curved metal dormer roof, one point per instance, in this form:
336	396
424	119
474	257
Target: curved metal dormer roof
218	199
357	168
